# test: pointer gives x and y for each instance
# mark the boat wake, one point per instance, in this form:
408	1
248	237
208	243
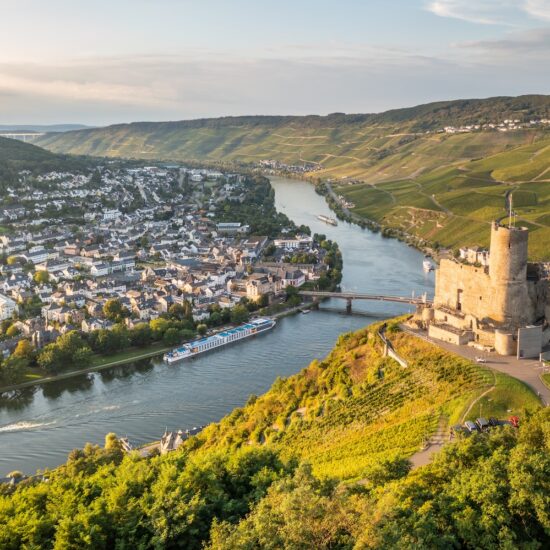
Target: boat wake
22	426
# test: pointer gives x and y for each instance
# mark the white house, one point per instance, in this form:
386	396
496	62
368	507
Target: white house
111	214
7	307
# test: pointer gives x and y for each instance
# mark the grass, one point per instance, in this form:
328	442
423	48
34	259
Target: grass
509	397
546	379
130	355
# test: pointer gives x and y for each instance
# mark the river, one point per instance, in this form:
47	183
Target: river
141	400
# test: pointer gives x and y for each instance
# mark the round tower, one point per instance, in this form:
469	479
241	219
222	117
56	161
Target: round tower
508	273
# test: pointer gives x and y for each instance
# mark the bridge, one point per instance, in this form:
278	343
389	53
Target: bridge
350	296
21	136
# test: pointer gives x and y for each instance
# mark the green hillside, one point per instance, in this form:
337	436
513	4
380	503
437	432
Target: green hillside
373	147
319	461
16	155
455	204
355	408
397	167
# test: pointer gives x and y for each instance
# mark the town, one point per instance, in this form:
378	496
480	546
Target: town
146	253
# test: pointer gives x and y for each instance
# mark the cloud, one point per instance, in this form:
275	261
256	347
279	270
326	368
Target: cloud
538	8
491	12
528	46
104	90
486	12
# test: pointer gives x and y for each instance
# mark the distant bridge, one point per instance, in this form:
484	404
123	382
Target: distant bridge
350	296
22	136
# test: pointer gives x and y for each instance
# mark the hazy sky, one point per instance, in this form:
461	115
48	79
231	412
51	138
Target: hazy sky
106	61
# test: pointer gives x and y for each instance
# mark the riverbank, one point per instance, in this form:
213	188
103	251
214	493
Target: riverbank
345	214
123	358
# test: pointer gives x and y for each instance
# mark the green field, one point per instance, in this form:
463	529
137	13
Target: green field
454	205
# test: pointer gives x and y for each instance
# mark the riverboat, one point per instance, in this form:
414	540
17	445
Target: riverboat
326	219
256	326
427	265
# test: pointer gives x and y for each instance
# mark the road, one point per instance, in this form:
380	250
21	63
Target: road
526	370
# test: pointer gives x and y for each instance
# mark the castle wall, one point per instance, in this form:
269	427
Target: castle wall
471	302
505	343
465	283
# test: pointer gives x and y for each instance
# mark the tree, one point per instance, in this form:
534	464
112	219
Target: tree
239	314
112	442
51	358
202	329
5	325
24	349
13	368
171	337
181	311
114	310
141	335
41	277
159	327
12	331
12	260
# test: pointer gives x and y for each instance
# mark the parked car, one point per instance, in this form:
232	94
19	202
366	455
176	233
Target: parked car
483	424
514	420
471	426
481	360
494	421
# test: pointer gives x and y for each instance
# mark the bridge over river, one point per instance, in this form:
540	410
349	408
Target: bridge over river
350	296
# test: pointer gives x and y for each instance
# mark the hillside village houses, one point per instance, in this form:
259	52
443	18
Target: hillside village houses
149	239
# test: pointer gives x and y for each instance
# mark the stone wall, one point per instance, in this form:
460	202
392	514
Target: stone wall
468	284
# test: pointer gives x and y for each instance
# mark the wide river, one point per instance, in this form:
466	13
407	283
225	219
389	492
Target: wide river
141	400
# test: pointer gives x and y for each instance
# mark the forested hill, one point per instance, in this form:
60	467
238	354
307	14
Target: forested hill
16	155
319	461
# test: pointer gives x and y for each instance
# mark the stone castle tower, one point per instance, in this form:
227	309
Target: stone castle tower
497	307
508	274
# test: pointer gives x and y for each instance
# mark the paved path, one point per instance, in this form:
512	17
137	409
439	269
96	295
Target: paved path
436	442
526	370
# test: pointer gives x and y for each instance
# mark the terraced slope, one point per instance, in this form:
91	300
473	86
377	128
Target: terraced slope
356	407
455	204
445	188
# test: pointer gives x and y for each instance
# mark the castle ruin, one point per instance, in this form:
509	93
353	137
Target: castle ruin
504	306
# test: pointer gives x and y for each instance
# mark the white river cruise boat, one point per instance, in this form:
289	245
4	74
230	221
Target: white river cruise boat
326	219
223	338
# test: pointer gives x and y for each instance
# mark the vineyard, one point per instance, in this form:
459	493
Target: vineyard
357	407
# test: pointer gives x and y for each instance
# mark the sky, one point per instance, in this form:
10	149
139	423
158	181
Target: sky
101	62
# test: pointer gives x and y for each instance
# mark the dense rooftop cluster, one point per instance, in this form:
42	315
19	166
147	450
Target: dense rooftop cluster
148	238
